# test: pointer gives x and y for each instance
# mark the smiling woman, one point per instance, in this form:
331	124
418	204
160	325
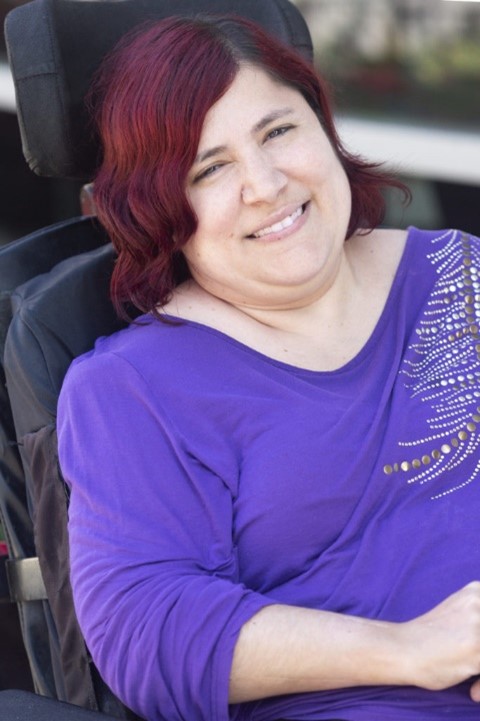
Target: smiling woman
142	201
289	432
271	225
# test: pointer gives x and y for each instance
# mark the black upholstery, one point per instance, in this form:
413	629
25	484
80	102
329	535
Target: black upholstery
36	253
60	304
20	261
24	706
54	45
57	316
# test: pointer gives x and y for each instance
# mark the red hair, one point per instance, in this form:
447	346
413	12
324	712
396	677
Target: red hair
151	97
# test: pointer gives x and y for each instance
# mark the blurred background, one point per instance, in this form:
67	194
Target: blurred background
406	82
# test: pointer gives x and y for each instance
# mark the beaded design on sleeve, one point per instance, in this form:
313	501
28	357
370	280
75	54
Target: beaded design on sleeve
442	369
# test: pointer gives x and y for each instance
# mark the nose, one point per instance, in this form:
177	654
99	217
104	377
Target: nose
262	180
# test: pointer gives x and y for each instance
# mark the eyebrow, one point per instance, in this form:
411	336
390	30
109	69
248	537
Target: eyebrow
262	123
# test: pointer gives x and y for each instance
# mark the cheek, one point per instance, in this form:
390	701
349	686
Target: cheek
216	219
204	252
334	175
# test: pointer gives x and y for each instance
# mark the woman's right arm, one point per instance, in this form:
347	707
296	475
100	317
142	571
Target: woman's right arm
291	650
153	569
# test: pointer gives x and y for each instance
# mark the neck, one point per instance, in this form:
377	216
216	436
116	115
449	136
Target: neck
326	305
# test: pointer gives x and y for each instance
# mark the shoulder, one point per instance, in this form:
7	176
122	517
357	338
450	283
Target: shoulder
156	358
137	352
440	246
387	255
125	376
384	249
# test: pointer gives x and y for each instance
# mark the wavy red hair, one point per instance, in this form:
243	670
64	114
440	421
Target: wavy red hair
150	99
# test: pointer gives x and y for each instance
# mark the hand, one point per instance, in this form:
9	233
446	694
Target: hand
444	644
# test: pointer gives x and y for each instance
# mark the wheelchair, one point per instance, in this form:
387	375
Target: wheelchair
54	303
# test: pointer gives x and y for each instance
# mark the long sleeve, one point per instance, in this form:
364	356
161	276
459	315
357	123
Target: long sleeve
153	567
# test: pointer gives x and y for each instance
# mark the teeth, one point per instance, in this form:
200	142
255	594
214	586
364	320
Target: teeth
276	227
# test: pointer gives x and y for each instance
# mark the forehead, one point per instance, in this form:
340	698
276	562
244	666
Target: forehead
253	94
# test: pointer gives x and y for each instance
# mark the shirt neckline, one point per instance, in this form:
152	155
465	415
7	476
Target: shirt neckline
371	342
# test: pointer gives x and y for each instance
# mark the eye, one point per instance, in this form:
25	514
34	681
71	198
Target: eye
276	132
207	172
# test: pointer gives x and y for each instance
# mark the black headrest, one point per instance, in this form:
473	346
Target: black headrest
54	46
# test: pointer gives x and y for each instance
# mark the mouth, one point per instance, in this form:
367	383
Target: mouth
283	224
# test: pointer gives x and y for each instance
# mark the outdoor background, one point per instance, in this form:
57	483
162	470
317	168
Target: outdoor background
409	71
406	80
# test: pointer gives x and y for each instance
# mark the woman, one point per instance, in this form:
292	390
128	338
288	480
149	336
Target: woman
274	472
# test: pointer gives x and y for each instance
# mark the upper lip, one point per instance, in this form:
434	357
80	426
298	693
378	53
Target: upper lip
277	216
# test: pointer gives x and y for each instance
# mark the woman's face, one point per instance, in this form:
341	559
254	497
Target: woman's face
271	198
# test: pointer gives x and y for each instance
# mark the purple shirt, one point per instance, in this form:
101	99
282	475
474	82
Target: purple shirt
209	480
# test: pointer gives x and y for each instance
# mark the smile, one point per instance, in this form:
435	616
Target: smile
281	225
